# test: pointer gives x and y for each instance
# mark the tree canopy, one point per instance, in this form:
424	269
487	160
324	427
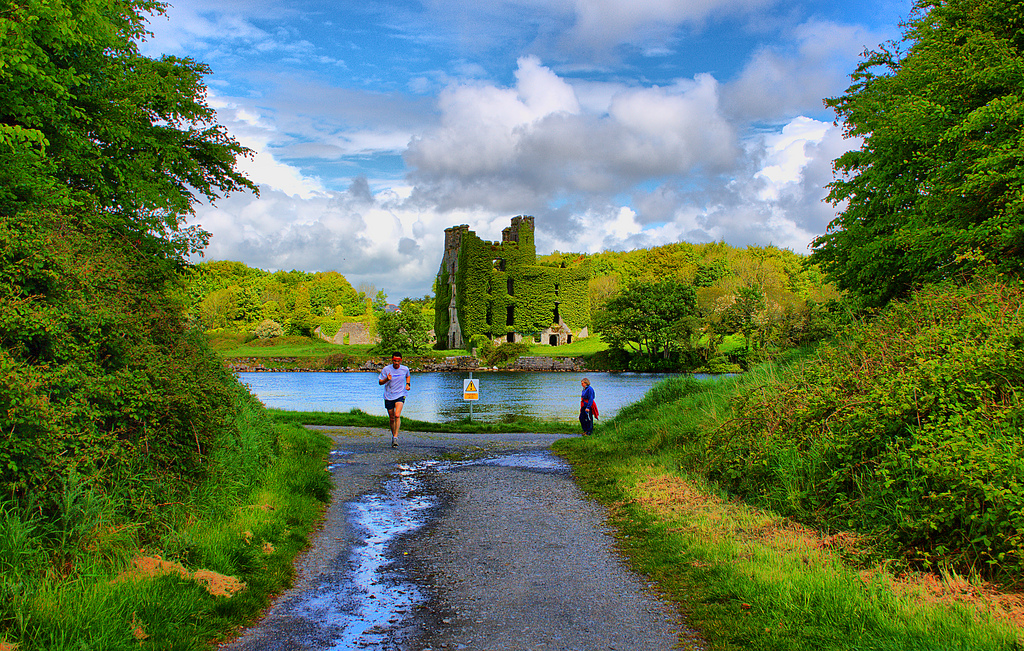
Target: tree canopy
650	318
88	124
102	153
936	189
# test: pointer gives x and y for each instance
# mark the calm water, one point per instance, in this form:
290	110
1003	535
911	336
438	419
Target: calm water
437	397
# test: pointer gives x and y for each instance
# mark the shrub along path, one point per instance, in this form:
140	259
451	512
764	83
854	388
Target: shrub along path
474	541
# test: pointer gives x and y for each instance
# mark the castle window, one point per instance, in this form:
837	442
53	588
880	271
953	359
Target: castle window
510	316
557	318
510	292
511	338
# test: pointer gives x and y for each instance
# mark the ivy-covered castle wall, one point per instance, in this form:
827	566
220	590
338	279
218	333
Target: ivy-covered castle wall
497	289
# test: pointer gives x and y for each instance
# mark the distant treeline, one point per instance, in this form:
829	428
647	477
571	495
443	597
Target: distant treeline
234	296
671	307
771	296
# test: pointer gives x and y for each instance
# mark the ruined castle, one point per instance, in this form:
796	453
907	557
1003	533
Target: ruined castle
498	290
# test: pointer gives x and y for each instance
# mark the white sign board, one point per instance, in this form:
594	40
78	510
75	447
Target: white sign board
471	389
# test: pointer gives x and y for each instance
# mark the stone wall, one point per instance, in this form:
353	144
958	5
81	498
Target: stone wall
549	364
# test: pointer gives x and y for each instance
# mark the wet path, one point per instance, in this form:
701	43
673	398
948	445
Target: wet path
494	550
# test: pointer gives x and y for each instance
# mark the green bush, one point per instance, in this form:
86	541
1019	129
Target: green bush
481	343
99	375
505	354
908	428
269	329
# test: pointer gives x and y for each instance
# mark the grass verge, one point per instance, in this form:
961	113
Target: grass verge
357	418
748	579
190	575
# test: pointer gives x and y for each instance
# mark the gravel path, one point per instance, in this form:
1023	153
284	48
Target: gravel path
497	549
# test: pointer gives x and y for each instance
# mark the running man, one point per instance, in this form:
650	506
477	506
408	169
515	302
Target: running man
397	382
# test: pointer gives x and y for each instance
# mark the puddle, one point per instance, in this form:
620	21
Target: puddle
369	604
336	458
527	461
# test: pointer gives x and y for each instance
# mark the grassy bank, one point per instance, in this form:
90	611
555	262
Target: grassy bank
185	574
748	578
357	418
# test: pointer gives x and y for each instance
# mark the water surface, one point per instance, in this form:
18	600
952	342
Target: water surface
437	397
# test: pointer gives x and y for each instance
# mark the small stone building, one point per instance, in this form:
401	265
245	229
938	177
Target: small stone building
497	289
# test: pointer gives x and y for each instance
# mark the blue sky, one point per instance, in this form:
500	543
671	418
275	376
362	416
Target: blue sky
618	124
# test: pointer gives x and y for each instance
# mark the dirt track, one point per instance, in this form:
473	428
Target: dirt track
495	550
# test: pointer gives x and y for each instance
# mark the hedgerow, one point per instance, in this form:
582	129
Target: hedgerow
99	374
908	428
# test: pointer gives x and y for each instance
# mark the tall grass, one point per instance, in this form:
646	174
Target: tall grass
748	578
67	581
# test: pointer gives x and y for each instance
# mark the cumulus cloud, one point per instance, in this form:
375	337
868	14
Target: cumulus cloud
531	142
652	166
364	179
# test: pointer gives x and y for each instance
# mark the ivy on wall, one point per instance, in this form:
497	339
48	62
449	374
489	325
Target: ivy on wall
443	296
486	273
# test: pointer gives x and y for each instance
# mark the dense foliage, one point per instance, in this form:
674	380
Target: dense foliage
405	331
652	319
88	123
99	374
909	428
935	191
232	295
102	152
501	291
772	297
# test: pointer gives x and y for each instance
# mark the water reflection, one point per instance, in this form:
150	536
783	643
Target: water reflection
437	397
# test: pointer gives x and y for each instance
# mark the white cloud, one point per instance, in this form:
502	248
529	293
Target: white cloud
794	75
600	155
532	142
253	132
787	155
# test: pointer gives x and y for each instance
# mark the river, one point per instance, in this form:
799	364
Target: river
437	397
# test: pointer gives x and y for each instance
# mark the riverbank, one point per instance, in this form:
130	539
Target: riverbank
452	364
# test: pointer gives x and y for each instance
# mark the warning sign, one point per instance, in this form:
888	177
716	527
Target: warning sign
471	389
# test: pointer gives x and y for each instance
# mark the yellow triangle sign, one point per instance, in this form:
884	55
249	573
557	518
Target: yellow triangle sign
471	387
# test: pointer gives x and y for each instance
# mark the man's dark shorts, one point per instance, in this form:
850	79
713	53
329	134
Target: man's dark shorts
390	404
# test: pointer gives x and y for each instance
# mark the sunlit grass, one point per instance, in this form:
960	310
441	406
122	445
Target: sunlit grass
586	346
72	581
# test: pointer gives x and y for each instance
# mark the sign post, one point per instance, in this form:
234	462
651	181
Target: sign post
471	392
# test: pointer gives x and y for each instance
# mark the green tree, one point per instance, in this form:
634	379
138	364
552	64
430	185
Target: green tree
746	313
102	154
650	318
87	123
406	331
936	189
380	301
302	321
